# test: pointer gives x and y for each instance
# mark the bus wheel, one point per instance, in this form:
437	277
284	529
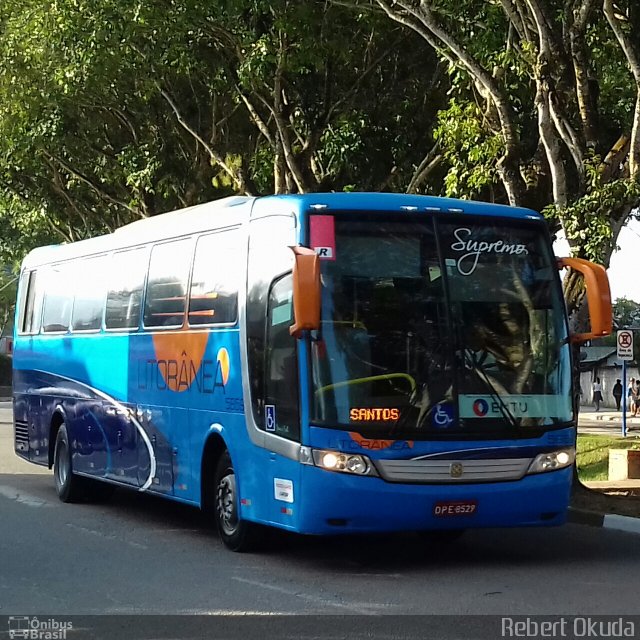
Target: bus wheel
69	487
236	534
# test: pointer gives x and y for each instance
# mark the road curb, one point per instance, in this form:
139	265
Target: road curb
609	521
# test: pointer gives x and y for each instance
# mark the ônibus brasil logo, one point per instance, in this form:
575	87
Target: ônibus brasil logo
480	407
33	628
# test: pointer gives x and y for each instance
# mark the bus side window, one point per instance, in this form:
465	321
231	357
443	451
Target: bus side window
214	288
281	368
31	308
166	294
58	299
89	298
124	297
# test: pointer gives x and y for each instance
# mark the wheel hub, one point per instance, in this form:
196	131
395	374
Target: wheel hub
226	504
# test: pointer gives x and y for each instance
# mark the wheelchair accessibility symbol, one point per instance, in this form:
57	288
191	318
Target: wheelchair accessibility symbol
270	417
443	416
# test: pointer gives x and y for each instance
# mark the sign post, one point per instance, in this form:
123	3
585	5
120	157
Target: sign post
624	342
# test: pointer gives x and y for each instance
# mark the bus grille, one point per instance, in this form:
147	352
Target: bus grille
452	471
22	435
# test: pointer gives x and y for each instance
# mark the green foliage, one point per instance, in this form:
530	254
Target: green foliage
587	221
540	109
626	313
471	151
113	111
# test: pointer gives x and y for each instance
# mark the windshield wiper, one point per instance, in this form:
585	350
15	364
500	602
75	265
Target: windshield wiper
479	370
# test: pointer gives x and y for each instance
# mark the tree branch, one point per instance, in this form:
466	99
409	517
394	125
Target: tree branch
633	58
426	166
283	131
255	116
237	177
584	93
509	164
92	185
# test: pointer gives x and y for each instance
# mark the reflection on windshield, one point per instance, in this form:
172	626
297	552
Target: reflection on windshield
509	325
416	340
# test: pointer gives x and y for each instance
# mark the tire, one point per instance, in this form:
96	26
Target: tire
235	533
69	487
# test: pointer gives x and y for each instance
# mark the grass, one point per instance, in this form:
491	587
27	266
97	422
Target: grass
593	455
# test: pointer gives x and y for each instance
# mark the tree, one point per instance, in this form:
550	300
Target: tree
626	314
548	92
117	111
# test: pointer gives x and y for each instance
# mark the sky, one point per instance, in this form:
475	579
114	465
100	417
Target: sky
624	269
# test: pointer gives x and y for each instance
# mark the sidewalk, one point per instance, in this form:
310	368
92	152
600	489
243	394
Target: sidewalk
609	422
606	422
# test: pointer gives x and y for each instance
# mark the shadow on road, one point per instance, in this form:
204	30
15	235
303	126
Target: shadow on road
384	553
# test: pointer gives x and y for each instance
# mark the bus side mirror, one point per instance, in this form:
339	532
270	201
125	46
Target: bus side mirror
306	291
598	297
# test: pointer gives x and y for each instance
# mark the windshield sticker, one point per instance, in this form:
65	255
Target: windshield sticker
519	406
472	249
283	489
322	234
281	314
374	415
442	417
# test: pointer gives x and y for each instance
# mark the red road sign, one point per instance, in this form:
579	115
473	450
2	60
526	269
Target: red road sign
625	344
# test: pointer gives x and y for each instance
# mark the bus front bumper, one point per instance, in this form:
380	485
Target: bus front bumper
339	503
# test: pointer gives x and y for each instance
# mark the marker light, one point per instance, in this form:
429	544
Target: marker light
552	461
344	462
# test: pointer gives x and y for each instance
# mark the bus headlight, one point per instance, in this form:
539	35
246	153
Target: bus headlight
354	463
552	461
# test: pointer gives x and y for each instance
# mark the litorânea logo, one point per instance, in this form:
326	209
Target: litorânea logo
34	628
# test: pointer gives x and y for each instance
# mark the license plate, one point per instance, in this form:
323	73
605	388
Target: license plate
453	508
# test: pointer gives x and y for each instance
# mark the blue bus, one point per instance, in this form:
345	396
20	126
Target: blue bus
325	363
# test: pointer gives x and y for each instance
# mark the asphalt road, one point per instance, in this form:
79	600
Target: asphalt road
139	554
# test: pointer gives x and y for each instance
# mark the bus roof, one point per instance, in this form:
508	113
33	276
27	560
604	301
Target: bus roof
236	209
364	201
226	212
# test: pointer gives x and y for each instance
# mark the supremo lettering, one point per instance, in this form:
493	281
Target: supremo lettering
371	415
180	375
468	262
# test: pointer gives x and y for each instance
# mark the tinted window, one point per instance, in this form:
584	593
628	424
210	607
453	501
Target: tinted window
58	299
89	298
128	269
166	296
281	369
31	302
214	290
269	257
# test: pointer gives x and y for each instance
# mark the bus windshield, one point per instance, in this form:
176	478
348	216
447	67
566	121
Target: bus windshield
440	326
